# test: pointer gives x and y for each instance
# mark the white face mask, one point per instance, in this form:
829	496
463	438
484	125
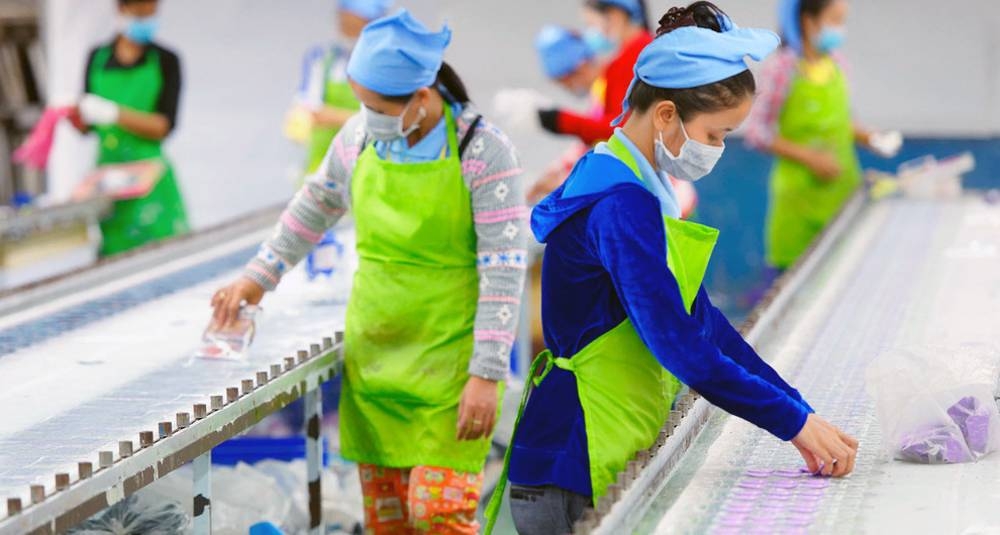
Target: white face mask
694	161
388	128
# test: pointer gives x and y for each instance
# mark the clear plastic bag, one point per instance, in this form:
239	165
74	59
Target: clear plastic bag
131	517
232	342
935	405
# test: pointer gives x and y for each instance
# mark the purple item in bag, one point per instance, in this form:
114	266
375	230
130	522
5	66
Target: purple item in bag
934	445
974	421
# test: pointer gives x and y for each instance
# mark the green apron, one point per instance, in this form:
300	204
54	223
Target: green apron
337	93
626	394
161	213
409	333
817	115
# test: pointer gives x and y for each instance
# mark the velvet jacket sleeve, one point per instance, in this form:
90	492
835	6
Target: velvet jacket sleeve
732	344
625	231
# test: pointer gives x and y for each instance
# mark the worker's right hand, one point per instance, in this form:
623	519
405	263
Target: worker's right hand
98	111
824	165
827	450
228	300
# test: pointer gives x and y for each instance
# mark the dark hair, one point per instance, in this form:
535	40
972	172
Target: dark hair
448	83
709	98
813	7
603	6
122	3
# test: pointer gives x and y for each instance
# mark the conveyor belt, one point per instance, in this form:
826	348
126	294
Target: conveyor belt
86	370
902	273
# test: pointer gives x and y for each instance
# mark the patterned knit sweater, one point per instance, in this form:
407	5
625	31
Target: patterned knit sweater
493	176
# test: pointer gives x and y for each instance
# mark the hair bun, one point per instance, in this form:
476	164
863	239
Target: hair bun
700	14
676	17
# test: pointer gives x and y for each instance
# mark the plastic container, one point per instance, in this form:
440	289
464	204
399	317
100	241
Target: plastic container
251	450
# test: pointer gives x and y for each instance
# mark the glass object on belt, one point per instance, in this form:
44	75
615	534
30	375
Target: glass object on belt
231	342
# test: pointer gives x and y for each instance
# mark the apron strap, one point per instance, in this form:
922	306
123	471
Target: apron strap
469	134
493	508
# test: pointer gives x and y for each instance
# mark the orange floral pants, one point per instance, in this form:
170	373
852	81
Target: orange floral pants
423	499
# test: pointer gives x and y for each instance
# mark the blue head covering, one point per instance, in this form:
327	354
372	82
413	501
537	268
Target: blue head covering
790	23
691	57
398	55
561	51
632	7
366	9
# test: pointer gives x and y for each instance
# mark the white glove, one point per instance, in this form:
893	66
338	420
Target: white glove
886	144
99	111
518	108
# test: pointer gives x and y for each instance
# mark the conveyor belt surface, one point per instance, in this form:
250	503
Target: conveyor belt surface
905	273
82	372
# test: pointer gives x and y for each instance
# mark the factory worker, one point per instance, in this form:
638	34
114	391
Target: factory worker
803	116
441	236
624	27
131	95
324	90
625	315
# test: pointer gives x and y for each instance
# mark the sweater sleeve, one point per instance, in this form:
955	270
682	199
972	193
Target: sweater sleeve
732	343
494	176
321	202
773	82
626	233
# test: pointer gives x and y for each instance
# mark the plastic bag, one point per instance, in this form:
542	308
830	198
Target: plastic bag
232	342
935	405
130	517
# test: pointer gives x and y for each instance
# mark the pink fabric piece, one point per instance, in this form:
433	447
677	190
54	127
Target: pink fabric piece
34	152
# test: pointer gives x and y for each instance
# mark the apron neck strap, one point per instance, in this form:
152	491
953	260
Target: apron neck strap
452	129
618	148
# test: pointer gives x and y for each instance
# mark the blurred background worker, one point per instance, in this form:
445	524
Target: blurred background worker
132	88
571	60
624	27
597	62
804	117
325	102
324	93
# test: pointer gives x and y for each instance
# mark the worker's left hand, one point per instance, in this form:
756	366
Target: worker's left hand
97	111
477	410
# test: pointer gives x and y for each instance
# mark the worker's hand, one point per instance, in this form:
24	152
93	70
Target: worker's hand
228	300
549	120
824	165
827	450
886	144
97	111
477	411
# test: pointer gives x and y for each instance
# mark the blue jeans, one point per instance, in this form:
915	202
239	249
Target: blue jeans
546	510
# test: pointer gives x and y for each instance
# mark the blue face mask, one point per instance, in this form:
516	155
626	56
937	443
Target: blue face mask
141	30
597	42
830	39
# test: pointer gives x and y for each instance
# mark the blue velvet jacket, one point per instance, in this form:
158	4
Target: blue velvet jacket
605	260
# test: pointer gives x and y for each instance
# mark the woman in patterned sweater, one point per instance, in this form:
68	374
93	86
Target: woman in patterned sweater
441	238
